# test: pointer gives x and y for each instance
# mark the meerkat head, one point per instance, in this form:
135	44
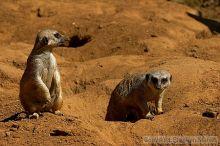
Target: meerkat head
158	80
48	39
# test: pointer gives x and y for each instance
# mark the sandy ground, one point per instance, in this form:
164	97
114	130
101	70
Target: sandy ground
110	39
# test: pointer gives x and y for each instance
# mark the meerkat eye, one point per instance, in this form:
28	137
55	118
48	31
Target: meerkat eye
154	80
164	80
57	35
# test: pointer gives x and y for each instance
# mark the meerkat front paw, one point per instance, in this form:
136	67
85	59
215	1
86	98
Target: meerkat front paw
59	113
34	116
149	116
159	111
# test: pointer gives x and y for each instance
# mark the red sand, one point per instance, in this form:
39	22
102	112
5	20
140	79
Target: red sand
126	37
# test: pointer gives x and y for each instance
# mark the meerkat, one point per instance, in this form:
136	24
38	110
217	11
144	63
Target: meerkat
129	98
40	87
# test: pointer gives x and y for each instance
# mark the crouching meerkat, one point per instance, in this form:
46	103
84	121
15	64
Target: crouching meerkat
40	88
130	97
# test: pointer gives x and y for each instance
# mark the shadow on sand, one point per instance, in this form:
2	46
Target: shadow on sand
213	25
15	117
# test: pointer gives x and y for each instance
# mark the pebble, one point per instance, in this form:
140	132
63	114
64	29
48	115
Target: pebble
7	133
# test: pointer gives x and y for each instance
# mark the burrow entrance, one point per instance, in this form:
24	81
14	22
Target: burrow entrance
78	40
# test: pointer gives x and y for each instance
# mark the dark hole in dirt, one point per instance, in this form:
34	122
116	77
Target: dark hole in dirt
78	41
60	133
210	114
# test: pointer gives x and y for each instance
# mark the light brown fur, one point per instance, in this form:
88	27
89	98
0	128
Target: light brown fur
40	88
131	95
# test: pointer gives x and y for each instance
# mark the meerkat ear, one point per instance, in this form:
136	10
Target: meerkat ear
147	77
171	78
44	40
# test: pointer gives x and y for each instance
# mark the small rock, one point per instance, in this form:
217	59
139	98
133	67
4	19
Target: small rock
153	35
13	129
69	119
100	26
100	65
21	116
75	25
15	125
185	105
194	50
7	133
146	49
194	55
34	129
42	12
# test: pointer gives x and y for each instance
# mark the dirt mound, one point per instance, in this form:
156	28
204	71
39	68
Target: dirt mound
110	40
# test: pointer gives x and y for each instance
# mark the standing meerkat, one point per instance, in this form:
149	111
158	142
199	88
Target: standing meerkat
130	97
40	88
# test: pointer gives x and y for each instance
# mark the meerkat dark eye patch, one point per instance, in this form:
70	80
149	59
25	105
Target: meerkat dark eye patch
154	80
57	35
44	40
164	80
147	77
